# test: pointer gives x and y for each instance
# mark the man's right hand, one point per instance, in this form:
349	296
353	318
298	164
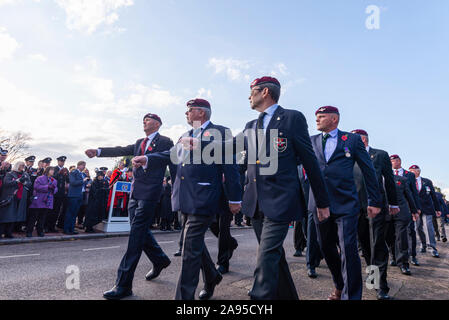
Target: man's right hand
91	153
323	213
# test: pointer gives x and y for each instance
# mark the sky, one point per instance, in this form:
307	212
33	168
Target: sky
79	74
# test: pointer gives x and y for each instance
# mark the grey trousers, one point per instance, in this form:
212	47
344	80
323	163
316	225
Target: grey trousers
195	256
272	278
424	226
438	226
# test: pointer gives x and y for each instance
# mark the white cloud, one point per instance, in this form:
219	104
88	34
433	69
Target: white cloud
203	93
280	69
233	68
88	15
5	2
174	132
37	57
445	191
8	45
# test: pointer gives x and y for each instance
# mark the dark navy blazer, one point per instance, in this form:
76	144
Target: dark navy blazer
339	177
428	198
147	184
76	182
405	199
412	184
279	196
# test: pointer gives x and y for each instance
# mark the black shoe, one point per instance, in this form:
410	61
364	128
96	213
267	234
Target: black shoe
312	273
75	232
156	271
381	295
41	235
405	270
423	250
414	261
117	293
89	230
178	253
298	253
393	263
29	235
239	224
208	290
9	236
444	239
231	251
222	269
435	254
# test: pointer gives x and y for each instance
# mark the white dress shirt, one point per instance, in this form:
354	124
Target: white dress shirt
419	183
398	172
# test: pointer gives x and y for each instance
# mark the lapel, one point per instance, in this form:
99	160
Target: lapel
317	141
209	126
273	124
340	143
153	144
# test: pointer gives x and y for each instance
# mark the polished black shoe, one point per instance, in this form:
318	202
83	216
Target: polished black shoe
435	254
444	239
414	261
178	253
117	293
156	271
381	295
423	250
208	290
393	263
405	270
231	251
312	273
222	269
298	253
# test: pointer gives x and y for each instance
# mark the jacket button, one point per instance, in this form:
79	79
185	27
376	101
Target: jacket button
258	162
254	179
183	164
182	178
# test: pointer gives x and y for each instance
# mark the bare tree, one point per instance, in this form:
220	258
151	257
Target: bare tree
16	143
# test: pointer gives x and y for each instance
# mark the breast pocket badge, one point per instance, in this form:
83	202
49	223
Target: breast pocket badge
280	144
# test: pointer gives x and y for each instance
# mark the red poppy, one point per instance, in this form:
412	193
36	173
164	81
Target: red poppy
344	138
206	134
150	148
399	183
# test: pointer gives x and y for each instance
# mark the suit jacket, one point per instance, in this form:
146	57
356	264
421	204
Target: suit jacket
339	176
405	199
412	184
443	206
384	173
61	181
76	183
198	187
279	195
428	198
147	184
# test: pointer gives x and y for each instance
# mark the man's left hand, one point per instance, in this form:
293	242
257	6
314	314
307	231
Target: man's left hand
235	207
438	214
139	161
373	212
394	211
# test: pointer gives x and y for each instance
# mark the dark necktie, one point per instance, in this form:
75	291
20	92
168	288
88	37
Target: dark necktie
260	120
143	146
325	137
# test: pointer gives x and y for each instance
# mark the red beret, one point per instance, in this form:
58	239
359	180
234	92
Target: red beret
200	103
394	156
327	109
414	167
153	116
264	80
360	131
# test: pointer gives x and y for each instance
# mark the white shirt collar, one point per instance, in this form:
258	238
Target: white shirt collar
151	136
333	133
271	110
367	148
205	124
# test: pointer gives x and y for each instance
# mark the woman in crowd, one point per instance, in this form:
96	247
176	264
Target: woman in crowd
14	199
44	190
97	202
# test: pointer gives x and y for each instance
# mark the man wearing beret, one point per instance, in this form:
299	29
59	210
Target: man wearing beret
396	163
371	231
273	199
337	153
198	192
430	206
145	192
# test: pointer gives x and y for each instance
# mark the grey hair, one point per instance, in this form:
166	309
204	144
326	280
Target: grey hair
274	90
207	111
17	165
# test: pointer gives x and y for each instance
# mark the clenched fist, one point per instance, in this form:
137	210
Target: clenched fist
373	212
139	161
91	153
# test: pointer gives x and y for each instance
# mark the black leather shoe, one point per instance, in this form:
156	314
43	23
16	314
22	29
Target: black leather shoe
414	261
393	263
117	293
383	295
405	270
231	251
208	290
29	235
41	235
156	271
298	253
444	239
312	273
178	253
222	269
435	254
423	250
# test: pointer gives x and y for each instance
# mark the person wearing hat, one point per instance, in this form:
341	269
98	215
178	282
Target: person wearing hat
396	163
145	192
430	206
273	199
337	153
371	231
56	216
197	192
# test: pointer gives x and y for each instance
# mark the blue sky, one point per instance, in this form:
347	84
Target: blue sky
78	74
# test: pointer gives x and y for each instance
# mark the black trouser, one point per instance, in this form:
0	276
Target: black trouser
226	243
412	238
313	253
38	215
397	240
60	208
238	218
300	235
82	214
183	227
195	257
371	234
141	239
6	229
272	277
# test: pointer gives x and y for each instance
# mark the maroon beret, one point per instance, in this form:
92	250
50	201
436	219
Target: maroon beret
327	109
360	131
200	103
264	80
394	156
414	167
153	116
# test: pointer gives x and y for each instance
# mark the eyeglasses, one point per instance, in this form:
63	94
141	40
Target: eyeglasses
255	89
191	109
